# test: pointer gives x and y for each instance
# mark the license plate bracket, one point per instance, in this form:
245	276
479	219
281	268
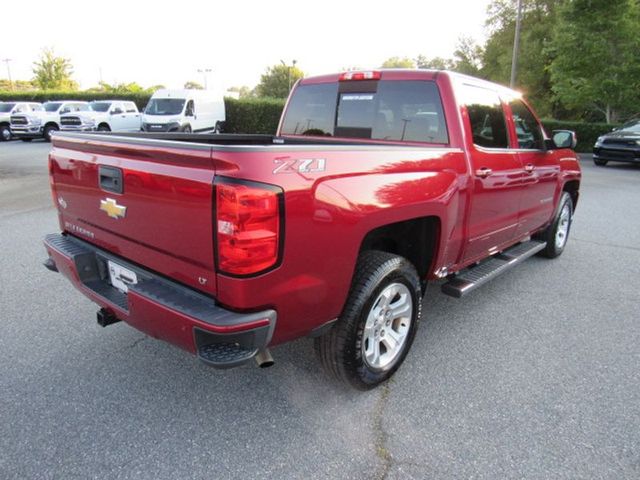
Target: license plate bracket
121	277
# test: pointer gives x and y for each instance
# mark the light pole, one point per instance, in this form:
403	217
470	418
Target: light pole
289	67
205	72
7	60
516	44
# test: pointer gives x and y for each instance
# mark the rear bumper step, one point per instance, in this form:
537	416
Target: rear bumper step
160	307
471	278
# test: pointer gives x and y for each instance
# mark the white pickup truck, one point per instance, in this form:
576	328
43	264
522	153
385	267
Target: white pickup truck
11	108
103	116
42	123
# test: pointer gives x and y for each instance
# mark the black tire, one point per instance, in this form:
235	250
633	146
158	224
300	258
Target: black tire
186	129
103	128
5	133
340	350
48	130
553	250
600	163
26	139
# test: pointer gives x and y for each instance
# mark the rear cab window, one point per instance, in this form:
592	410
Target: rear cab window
392	110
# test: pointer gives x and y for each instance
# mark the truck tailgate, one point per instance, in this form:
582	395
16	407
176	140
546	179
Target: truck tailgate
163	217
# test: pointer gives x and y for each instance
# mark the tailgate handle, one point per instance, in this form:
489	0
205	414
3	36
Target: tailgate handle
111	179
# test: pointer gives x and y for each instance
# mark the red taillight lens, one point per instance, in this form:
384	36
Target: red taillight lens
371	75
247	226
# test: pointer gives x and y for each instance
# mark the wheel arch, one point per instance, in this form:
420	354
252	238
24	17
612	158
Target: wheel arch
104	124
51	124
572	187
416	239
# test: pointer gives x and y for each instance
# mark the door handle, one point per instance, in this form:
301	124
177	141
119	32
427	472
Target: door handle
529	167
483	172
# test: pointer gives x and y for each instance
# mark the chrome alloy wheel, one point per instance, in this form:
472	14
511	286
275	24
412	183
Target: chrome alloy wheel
387	326
563	226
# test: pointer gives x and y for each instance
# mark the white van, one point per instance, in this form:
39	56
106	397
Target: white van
198	111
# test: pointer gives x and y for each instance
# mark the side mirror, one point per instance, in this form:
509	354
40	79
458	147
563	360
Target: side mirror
564	139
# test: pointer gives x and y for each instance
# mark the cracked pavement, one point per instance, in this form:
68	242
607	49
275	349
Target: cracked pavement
535	375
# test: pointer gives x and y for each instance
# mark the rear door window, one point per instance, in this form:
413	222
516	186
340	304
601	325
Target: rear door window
409	111
486	116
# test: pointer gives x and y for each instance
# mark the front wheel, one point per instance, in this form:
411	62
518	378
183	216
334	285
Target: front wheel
377	326
5	133
48	131
557	234
186	129
26	139
600	163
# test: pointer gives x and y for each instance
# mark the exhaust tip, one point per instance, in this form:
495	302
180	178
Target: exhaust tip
264	359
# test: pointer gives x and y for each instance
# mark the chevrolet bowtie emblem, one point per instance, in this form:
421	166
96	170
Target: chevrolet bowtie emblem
111	207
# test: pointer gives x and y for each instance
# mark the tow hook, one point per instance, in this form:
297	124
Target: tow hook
106	317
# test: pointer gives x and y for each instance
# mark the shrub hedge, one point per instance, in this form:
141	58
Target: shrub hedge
587	133
140	99
255	115
261	115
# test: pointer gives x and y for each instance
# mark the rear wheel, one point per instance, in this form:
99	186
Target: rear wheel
373	335
600	163
557	234
48	131
103	128
26	139
5	133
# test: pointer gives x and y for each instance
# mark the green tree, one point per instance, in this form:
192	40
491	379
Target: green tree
467	58
243	91
434	63
539	18
398	62
596	61
17	85
52	72
275	82
191	85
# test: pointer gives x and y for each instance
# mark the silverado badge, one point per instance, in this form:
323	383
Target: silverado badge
111	207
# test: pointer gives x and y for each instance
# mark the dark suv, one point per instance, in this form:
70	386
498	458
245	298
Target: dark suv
621	145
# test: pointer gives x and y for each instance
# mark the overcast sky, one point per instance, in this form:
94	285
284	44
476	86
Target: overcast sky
160	42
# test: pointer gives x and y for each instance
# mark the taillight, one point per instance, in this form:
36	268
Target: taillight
371	75
248	226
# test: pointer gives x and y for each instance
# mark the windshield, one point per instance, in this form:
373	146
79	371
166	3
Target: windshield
99	106
6	107
164	106
52	106
405	111
633	127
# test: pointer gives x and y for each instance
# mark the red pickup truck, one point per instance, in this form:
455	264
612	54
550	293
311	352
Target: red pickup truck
375	183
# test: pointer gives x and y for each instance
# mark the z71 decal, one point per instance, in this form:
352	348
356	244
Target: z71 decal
300	165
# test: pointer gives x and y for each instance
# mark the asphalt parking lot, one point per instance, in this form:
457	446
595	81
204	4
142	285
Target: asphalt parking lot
536	375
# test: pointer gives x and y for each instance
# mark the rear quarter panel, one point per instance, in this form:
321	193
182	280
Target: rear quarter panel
329	213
